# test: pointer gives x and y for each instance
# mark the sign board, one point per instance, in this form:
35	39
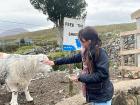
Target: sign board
70	34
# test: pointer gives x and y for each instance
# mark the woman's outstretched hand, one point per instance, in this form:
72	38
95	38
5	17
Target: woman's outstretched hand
74	78
48	62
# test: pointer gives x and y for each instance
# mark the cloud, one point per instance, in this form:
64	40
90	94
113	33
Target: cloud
99	12
110	11
13	12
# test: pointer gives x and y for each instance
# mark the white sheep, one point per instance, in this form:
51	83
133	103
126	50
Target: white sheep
20	70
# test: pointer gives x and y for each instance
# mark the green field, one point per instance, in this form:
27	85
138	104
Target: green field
42	35
51	34
116	27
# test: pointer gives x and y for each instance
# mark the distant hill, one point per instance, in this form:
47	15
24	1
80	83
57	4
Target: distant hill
51	34
13	32
47	34
116	27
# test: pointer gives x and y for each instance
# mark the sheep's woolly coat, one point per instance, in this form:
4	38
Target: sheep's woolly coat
20	69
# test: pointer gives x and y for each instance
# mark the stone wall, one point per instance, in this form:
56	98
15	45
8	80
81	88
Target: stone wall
132	97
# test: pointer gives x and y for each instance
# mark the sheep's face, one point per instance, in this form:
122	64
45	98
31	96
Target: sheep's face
44	67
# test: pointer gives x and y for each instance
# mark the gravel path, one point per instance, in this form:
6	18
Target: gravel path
75	100
126	84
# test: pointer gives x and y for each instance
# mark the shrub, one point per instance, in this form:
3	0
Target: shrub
56	55
24	49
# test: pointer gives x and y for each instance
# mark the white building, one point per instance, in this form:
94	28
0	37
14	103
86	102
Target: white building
136	15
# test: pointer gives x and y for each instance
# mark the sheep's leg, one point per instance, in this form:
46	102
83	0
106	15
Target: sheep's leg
27	94
14	98
14	91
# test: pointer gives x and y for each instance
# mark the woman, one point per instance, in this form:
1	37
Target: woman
97	87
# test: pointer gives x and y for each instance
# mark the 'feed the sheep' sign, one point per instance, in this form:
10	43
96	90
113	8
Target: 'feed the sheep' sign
70	37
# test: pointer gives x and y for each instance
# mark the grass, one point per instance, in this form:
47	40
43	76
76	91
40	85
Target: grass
116	27
48	35
24	49
51	34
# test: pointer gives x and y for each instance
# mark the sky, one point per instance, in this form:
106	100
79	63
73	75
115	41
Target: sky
21	14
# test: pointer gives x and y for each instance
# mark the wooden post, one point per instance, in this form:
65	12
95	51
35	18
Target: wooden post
122	47
136	55
70	82
122	57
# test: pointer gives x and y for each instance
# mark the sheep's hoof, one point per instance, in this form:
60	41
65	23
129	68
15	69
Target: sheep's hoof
31	102
30	99
13	103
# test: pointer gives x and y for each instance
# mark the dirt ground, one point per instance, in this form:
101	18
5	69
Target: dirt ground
45	91
126	91
53	89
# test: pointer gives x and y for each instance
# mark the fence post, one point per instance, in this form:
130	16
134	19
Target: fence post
70	82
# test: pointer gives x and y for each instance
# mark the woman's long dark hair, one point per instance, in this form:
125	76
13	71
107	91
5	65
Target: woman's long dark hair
89	33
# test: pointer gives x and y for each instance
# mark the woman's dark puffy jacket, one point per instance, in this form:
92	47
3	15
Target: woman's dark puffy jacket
99	88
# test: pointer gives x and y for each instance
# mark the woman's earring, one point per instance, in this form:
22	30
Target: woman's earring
89	41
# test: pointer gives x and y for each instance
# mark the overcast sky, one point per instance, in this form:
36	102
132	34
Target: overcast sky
100	12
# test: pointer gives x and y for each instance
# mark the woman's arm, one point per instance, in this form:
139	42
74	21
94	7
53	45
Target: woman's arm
101	73
74	59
